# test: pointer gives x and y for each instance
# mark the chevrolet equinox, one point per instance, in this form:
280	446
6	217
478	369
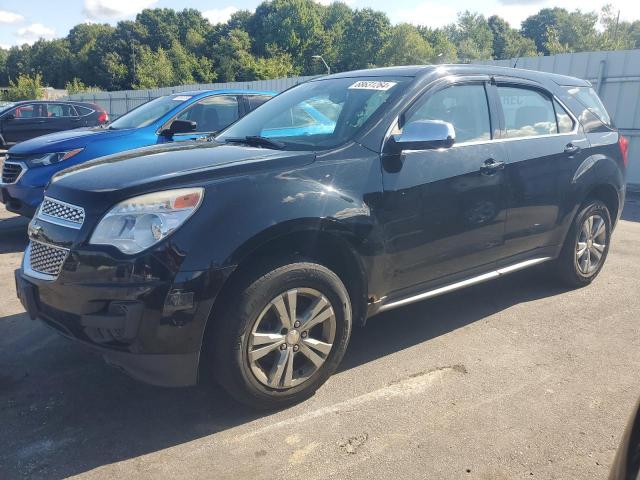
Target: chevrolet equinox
253	254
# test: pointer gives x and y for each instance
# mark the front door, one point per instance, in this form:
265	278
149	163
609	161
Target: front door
444	210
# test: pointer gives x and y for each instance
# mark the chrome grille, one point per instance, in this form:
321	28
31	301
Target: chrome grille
62	211
46	259
11	172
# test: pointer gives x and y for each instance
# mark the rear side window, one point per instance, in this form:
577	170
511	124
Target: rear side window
527	112
82	111
463	106
256	100
590	100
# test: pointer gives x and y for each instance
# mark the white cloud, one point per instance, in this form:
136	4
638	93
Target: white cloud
34	32
10	17
429	14
114	9
219	15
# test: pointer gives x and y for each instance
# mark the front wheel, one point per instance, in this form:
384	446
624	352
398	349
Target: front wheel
282	334
586	246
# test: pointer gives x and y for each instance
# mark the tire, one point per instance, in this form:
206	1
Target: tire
567	267
286	374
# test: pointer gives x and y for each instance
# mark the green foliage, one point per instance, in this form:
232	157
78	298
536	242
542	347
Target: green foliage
163	47
406	47
26	87
77	86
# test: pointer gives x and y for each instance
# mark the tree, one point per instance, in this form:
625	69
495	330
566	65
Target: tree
26	87
536	26
364	38
291	26
508	42
406	46
77	86
53	60
4	80
153	69
472	36
444	50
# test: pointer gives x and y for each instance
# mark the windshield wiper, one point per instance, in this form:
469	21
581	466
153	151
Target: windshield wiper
256	140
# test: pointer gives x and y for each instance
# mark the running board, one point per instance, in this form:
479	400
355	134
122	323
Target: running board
464	283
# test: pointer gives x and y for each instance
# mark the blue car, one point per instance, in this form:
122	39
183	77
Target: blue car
30	165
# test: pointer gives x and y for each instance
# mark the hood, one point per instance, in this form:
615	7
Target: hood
67	140
164	166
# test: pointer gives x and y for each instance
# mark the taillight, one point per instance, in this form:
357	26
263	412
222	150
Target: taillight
103	117
623	143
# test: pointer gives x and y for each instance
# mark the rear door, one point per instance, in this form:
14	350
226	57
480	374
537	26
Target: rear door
544	145
61	116
444	210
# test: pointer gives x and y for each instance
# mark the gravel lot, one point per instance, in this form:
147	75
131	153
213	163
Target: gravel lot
517	378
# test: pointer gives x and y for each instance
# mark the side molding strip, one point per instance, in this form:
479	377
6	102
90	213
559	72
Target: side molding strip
464	283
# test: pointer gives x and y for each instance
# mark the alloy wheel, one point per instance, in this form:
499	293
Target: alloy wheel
591	244
291	338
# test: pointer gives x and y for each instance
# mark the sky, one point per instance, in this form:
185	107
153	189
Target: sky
27	20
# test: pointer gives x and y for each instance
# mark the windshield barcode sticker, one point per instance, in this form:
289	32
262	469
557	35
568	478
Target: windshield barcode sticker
372	85
181	98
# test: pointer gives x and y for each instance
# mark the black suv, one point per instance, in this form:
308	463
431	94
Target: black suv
346	196
28	119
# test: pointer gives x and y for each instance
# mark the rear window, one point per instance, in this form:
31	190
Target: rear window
590	100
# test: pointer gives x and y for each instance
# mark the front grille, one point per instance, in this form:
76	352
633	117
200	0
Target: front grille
62	211
46	259
11	172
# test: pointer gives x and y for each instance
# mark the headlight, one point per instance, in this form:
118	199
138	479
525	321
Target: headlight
52	158
140	222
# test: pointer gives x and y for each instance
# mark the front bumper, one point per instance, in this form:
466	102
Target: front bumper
137	327
21	200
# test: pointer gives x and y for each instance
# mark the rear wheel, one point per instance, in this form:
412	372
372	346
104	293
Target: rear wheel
282	334
586	246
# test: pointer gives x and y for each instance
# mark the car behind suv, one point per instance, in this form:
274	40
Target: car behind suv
255	254
24	120
184	116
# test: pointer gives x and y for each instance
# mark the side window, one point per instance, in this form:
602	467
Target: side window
464	106
25	111
82	111
212	114
527	112
256	100
565	122
58	110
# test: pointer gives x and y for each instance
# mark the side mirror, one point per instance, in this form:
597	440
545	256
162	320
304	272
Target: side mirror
11	116
179	126
425	135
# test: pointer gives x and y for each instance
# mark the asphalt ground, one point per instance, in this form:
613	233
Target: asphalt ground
517	378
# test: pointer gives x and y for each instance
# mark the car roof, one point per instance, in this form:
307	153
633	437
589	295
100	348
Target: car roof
452	69
69	102
226	91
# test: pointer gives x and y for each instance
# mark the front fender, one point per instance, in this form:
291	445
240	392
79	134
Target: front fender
242	213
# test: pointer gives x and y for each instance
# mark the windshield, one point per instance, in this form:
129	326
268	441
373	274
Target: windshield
149	112
4	106
318	115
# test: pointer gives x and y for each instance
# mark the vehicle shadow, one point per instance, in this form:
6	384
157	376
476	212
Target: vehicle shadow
13	234
631	210
65	412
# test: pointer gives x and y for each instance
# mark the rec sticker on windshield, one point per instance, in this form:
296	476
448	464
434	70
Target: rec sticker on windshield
181	98
372	85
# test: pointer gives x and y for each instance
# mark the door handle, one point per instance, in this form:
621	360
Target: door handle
491	167
571	149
